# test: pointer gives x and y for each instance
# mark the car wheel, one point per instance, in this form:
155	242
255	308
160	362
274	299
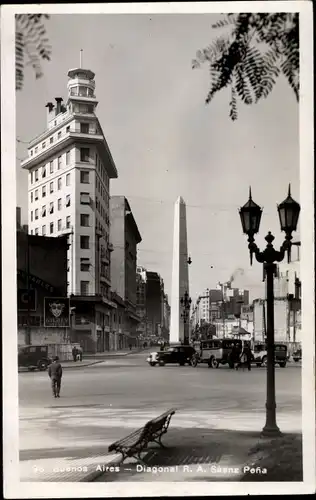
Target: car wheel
215	363
282	365
194	362
161	363
264	361
182	363
42	366
152	363
258	364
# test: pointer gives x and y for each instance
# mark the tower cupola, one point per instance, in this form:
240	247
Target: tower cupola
81	88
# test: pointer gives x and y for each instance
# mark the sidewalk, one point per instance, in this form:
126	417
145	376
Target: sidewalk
110	354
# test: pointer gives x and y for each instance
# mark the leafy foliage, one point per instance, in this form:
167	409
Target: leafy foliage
254	51
31	45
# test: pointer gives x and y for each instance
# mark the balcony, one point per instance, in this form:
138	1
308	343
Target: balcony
110	247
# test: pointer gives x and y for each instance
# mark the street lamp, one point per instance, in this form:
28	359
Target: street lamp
250	215
186	305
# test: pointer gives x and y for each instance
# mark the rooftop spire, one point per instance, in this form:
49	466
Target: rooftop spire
81	54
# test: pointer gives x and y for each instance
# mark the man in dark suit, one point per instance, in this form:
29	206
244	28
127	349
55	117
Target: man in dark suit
55	373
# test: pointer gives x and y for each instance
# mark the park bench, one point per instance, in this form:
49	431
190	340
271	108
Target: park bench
137	442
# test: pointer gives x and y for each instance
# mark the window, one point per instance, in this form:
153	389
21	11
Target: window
31	152
36	214
84	265
59	225
51	167
51	187
68	200
68	128
51	140
44	171
31	216
51	228
44	211
84	220
36	230
59	204
59	135
67	157
84	242
59	162
84	128
68	222
36	175
32	197
36	194
68	180
43	191
32	232
84	198
59	184
84	177
84	154
31	177
51	207
36	149
84	287
44	230
43	145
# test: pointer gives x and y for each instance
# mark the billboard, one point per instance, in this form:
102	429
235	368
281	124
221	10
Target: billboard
57	312
26	299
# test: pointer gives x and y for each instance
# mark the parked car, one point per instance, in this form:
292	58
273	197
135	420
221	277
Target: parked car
260	355
216	352
174	354
297	355
33	356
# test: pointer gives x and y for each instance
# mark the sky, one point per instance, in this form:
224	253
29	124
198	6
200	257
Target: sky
166	142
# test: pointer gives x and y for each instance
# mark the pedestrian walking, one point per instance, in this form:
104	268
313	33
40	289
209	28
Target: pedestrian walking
55	373
81	353
246	357
74	353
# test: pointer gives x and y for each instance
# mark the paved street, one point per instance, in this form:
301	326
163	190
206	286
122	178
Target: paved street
104	402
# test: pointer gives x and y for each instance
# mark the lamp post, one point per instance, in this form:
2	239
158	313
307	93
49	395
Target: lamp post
250	215
185	302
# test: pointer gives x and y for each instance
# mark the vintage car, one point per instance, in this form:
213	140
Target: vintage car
260	356
33	356
297	355
216	352
174	354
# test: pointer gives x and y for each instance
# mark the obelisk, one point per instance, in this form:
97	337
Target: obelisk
179	322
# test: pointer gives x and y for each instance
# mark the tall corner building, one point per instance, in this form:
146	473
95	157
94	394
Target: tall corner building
70	167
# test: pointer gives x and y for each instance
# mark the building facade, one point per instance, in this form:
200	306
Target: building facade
125	237
37	280
141	307
154	303
70	167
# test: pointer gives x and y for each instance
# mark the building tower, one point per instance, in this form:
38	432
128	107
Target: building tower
70	167
179	323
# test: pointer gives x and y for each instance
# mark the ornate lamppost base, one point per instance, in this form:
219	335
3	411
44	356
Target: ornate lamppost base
271	432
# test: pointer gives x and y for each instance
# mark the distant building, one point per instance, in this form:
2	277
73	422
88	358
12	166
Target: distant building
287	303
141	307
154	303
41	279
125	237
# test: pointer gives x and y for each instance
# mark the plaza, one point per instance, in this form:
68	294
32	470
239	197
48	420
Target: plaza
219	416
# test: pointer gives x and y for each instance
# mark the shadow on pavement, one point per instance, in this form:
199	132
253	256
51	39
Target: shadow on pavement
220	452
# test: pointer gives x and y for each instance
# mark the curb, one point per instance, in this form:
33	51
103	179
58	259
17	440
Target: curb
82	366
